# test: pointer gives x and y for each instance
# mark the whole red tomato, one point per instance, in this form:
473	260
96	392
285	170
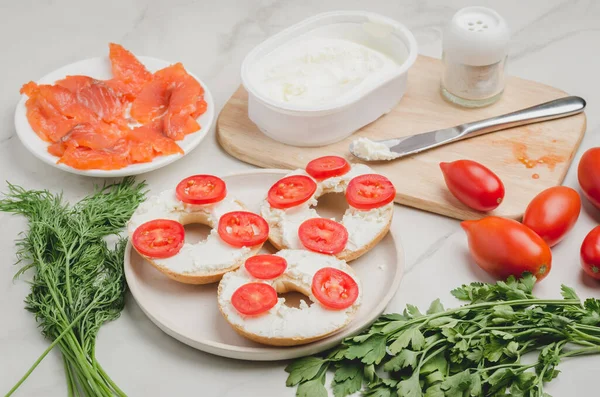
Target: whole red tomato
588	174
590	253
473	184
503	247
553	213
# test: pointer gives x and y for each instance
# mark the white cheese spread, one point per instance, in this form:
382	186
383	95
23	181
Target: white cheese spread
317	70
370	150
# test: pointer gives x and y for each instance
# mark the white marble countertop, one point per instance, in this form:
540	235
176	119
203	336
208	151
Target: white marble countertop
554	42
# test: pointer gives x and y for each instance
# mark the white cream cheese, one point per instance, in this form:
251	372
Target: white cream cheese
282	321
211	254
362	225
371	150
317	70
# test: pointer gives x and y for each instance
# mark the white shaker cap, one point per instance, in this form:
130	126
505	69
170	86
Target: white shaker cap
476	36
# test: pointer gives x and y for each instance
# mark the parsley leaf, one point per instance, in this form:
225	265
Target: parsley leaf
304	369
406	358
312	388
412	336
371	351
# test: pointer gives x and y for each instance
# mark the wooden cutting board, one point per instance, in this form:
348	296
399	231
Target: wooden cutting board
528	159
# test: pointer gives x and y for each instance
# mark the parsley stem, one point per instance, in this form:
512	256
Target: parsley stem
578	352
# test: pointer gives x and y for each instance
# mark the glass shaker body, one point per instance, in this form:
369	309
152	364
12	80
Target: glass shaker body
472	86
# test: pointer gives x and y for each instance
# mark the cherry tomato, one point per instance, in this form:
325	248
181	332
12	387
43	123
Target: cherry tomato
266	267
327	167
243	229
588	174
334	288
160	238
291	191
590	253
201	189
323	235
254	298
369	191
553	213
473	184
503	247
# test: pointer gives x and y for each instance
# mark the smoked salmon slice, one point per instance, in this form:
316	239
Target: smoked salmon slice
148	142
130	75
83	158
45	108
95	95
99	136
174	95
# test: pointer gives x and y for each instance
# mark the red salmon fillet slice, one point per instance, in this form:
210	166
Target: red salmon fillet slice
130	75
99	136
173	90
43	116
83	158
95	95
147	142
61	99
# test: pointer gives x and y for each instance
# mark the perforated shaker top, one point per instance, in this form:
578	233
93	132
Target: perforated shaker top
476	36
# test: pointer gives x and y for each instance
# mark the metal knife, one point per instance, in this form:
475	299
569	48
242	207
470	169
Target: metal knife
413	144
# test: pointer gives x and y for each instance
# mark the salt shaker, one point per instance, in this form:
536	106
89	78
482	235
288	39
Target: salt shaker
475	48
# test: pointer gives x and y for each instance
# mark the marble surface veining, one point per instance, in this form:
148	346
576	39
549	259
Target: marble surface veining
554	42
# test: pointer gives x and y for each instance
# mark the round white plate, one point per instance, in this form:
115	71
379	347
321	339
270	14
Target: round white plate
100	68
190	313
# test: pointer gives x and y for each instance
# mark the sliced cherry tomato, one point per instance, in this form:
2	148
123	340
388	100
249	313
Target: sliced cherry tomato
243	229
160	238
291	191
323	235
201	189
254	298
590	253
334	288
327	167
588	174
503	247
266	267
473	184
553	213
370	191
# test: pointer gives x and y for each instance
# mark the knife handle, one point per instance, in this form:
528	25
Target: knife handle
555	109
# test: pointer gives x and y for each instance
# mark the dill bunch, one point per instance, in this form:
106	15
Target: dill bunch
78	279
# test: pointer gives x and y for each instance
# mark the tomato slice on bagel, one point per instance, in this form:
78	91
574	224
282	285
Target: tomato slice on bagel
254	298
323	235
334	288
370	191
266	267
291	191
327	167
201	189
159	238
243	229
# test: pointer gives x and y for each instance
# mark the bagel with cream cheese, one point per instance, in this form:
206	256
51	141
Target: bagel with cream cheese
156	230
295	224
248	297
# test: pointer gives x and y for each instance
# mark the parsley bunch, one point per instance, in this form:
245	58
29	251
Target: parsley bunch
78	279
473	350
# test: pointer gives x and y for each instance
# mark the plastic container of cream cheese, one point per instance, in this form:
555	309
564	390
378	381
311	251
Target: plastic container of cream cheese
324	78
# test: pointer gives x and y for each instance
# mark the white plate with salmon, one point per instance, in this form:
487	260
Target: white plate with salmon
114	116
